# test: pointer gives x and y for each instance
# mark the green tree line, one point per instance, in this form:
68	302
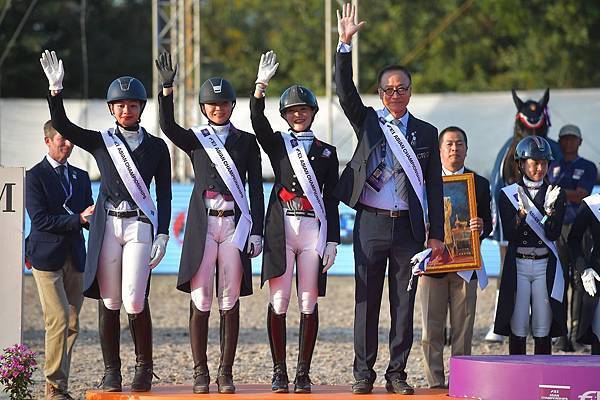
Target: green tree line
450	45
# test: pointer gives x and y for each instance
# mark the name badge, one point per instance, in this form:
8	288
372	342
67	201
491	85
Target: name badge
379	177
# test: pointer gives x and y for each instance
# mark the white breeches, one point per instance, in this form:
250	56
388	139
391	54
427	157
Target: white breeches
531	290
301	235
123	263
219	252
596	321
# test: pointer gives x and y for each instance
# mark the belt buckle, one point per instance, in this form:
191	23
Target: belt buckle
528	256
393	214
220	213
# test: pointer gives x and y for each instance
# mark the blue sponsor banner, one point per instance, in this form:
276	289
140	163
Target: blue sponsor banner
344	263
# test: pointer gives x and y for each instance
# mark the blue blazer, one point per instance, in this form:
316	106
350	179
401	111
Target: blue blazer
54	233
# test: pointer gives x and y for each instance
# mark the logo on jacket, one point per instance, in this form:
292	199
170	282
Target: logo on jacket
413	138
294	142
326	153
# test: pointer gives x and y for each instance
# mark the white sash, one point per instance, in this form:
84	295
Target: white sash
405	155
131	177
226	168
534	220
482	277
593	203
308	181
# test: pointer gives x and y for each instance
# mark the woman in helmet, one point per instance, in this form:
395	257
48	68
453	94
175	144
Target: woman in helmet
222	231
532	214
302	223
128	233
588	217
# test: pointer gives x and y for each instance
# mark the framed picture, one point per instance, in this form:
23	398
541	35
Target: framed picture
461	246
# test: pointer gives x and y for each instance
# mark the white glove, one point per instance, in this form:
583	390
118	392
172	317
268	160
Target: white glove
551	196
589	278
418	263
329	255
53	68
523	200
267	67
254	247
159	249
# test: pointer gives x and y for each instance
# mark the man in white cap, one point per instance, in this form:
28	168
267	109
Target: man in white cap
577	177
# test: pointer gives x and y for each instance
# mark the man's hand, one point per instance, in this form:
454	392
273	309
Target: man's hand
589	278
266	68
53	68
85	215
437	248
550	199
166	72
159	248
346	23
476	225
254	247
329	255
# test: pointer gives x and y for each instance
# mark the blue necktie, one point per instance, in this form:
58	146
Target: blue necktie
61	169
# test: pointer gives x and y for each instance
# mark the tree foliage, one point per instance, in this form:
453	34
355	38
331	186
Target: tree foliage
490	45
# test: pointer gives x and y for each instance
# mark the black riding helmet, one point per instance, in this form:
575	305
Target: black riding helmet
533	147
126	88
215	90
297	95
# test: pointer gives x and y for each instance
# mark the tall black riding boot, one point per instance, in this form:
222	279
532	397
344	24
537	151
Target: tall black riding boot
309	326
277	342
229	331
596	346
140	326
517	345
542	345
109	328
199	340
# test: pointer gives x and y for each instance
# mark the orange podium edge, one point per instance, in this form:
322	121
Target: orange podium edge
246	392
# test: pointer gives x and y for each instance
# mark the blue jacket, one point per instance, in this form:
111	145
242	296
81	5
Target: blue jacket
54	233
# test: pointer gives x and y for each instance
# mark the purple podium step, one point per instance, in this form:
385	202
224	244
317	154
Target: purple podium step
525	377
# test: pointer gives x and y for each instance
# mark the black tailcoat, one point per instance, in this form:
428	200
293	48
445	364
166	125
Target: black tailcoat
585	220
519	234
152	160
324	162
244	151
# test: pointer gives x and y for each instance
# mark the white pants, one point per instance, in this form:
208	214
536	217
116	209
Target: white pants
531	290
301	235
123	263
219	252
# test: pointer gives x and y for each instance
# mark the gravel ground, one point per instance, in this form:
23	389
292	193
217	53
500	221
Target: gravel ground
332	361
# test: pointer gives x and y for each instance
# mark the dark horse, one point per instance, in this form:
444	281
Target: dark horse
532	118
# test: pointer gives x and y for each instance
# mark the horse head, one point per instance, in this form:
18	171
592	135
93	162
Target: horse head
532	116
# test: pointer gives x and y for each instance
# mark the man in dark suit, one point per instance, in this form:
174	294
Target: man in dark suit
387	191
457	290
59	202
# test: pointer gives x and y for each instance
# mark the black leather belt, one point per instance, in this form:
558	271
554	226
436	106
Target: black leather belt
532	256
300	213
126	214
220	213
388	213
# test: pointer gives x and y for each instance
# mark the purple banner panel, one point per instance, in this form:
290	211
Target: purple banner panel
557	377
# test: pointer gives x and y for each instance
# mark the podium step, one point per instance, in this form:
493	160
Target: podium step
254	392
525	377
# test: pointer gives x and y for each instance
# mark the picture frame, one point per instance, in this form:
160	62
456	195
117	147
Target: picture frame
461	246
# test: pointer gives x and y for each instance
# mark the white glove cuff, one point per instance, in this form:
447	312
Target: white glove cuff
56	86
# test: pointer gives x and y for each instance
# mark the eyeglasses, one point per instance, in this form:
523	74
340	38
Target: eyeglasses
400	90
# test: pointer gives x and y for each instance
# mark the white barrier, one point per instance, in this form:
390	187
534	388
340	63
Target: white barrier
12	212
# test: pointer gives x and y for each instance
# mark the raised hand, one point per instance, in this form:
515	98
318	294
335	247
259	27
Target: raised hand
267	68
346	23
165	69
551	197
53	68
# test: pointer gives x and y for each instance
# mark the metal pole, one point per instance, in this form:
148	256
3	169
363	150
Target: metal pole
155	50
355	51
328	70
